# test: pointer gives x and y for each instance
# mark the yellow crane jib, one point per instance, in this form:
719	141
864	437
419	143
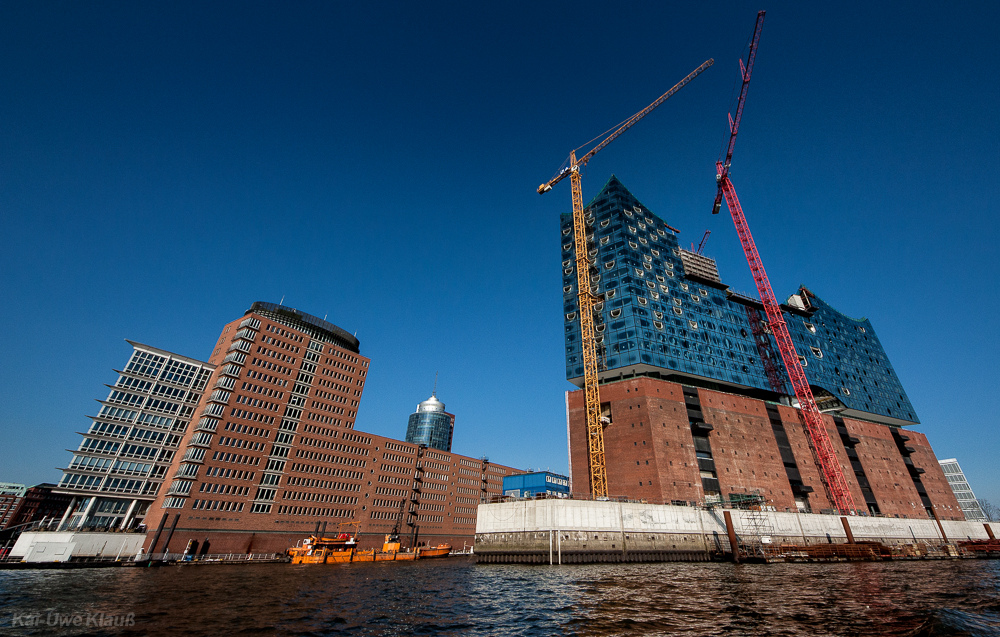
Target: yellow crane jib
587	298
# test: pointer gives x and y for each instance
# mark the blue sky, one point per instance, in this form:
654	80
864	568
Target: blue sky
164	166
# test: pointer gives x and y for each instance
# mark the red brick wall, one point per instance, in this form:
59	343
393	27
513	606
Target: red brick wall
369	487
943	498
650	455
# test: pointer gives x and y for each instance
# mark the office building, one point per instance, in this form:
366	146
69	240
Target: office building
11	494
431	425
963	492
120	465
274	456
697	394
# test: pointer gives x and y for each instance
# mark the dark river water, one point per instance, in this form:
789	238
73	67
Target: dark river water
456	597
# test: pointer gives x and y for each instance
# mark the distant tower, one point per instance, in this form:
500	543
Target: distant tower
431	425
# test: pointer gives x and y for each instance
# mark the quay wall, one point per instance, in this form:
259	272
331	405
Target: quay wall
530	531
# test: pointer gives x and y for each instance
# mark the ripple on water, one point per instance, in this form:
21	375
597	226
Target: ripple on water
456	597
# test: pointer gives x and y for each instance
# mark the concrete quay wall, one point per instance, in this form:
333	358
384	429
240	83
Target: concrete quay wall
531	531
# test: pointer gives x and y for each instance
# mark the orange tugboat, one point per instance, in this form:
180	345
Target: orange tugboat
344	548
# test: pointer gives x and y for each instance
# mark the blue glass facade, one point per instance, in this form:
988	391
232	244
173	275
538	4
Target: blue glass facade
665	313
431	425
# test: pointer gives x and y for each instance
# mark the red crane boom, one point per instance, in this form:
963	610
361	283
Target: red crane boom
819	440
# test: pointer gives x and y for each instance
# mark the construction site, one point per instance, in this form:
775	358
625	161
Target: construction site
713	424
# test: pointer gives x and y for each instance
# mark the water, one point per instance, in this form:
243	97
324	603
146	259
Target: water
456	597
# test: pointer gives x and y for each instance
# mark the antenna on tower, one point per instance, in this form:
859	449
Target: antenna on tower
282	301
435	392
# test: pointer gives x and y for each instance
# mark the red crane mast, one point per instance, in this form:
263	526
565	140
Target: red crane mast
819	440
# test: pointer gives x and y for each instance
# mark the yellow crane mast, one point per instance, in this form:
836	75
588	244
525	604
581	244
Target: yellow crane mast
587	296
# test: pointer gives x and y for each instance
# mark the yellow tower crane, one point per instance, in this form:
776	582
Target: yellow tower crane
587	297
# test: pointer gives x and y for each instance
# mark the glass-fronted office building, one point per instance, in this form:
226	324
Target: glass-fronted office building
963	492
120	465
431	425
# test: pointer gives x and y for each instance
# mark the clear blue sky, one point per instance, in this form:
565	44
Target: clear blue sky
164	165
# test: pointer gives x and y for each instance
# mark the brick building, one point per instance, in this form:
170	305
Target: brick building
274	457
40	503
11	494
671	443
700	406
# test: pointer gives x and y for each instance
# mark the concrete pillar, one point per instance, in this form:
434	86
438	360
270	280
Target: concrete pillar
128	515
86	512
69	509
550	546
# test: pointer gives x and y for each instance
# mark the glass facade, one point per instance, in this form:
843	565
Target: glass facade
431	425
665	313
118	469
963	492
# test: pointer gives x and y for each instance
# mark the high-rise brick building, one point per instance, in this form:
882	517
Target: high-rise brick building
700	407
274	456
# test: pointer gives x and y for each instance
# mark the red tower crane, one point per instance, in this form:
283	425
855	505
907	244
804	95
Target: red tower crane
819	440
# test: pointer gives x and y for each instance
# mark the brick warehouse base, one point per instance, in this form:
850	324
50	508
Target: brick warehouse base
577	531
673	443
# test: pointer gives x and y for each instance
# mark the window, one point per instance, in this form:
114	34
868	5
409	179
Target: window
604	224
633	245
643	300
845	391
678	311
567	289
810	327
605	240
571	316
660	279
616	313
803	361
817	352
658	325
693	324
703	292
609	264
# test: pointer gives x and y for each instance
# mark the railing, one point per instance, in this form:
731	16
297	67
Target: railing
700	504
